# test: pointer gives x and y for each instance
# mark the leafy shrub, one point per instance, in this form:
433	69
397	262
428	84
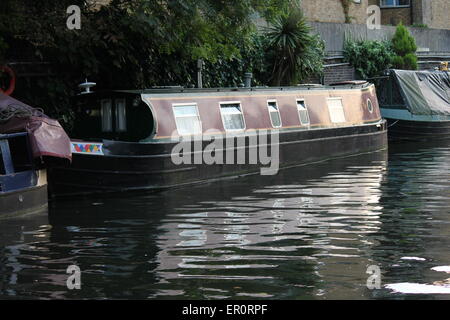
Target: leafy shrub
420	25
370	58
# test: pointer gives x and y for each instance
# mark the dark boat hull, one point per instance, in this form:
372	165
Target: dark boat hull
418	130
150	167
23	201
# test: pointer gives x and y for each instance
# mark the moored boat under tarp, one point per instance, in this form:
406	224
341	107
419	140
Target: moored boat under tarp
416	103
29	141
47	137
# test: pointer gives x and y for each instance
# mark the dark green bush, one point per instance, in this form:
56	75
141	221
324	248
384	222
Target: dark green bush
404	45
369	58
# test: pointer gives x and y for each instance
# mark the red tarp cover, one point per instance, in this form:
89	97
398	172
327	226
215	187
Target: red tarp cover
46	136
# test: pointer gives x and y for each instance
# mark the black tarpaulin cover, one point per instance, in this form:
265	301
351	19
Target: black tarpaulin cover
46	136
425	92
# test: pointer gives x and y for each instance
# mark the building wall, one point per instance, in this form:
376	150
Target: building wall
433	13
436	41
333	11
440	14
394	16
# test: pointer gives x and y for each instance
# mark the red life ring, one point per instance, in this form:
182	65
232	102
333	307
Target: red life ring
12	82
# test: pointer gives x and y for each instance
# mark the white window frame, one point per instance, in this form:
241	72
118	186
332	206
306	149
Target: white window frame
298	112
278	111
102	102
116	104
192	104
242	113
395	5
343	109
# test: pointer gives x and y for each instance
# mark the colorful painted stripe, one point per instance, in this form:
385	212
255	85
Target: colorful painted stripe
87	148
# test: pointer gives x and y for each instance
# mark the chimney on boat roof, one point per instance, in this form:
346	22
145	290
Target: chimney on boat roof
248	79
200	66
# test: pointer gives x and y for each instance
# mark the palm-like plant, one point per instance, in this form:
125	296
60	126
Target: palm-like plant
293	50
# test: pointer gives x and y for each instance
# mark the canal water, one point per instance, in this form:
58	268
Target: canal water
311	232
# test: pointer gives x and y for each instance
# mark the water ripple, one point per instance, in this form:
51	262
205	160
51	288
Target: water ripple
308	233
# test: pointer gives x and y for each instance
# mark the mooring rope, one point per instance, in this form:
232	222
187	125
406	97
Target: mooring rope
19	111
393	124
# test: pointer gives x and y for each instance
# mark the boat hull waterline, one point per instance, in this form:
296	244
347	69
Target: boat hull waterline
156	171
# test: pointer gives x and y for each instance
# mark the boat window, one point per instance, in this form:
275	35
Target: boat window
274	114
303	112
232	116
106	115
121	116
369	105
336	110
187	119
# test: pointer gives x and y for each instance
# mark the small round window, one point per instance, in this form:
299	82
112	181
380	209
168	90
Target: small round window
369	105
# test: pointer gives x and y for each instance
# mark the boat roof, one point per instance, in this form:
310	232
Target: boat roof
179	89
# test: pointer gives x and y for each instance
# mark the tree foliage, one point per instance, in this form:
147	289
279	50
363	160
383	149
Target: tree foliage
145	43
369	58
405	48
293	52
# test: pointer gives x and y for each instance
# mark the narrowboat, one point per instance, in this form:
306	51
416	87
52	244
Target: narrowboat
23	189
416	104
29	141
161	138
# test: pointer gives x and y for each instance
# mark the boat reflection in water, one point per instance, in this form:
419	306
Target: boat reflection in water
18	236
253	237
308	233
279	239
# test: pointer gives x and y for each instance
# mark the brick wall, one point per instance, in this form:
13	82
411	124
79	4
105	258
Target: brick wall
333	11
393	16
337	73
334	71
